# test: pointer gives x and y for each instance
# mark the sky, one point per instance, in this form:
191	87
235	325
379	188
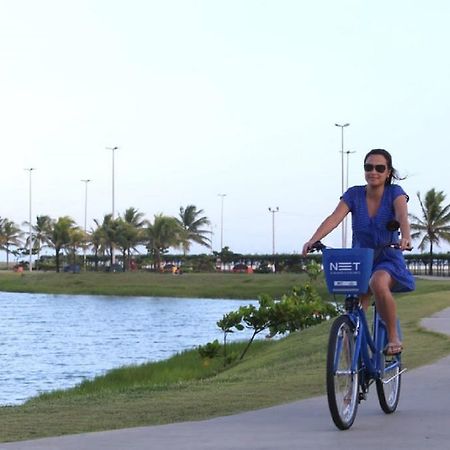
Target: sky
236	97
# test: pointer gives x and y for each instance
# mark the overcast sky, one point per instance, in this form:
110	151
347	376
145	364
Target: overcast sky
219	97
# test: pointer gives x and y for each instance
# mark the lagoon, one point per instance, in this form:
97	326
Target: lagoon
50	342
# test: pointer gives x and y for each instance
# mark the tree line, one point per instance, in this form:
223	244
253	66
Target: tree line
131	230
121	234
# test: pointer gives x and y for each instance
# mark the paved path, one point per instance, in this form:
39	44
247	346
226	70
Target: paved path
421	421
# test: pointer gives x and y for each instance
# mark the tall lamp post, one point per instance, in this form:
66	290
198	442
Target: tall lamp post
348	153
221	220
30	236
113	150
342	173
85	218
273	211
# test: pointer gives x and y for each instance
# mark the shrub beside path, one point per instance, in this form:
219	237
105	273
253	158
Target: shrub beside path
421	421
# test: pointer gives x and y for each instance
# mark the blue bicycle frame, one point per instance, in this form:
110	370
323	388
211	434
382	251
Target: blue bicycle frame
367	357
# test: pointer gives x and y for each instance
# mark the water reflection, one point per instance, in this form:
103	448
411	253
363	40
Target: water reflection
50	342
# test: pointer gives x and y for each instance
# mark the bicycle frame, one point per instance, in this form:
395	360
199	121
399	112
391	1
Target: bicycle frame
368	349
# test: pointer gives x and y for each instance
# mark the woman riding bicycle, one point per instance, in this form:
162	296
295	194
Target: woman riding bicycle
373	207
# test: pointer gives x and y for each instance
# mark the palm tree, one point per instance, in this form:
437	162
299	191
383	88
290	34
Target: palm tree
163	233
40	234
133	216
125	236
130	233
10	235
77	238
192	221
97	240
60	235
109	234
434	224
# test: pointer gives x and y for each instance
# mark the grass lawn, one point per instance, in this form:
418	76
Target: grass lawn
203	285
188	388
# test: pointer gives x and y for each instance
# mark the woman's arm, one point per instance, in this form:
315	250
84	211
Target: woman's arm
328	225
401	214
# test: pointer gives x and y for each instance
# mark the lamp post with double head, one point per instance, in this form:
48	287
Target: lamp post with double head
342	126
348	153
222	196
273	211
113	212
30	233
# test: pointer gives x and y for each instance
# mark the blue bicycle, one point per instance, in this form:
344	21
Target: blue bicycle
355	358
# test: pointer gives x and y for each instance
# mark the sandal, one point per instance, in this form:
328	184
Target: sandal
393	349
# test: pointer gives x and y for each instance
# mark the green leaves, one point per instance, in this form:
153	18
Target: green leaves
301	308
210	350
434	225
231	320
192	221
10	235
163	233
313	270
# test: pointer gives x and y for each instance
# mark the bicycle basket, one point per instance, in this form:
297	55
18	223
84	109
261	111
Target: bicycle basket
347	271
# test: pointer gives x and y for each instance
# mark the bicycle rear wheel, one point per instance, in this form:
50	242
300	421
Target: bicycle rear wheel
388	385
342	384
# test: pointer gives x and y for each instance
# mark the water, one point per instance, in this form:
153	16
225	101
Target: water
50	342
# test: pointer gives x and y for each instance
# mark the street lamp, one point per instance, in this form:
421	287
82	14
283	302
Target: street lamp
30	237
85	217
221	220
342	172
348	152
273	211
113	149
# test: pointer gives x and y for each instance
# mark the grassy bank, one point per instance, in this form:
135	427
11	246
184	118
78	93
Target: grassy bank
187	388
203	285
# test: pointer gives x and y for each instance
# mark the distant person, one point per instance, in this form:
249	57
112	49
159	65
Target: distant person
373	207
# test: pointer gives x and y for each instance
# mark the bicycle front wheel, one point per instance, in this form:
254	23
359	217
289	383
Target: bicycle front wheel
388	385
342	382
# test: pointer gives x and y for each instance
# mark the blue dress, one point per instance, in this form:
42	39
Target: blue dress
372	232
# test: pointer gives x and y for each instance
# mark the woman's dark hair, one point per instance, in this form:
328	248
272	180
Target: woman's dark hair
394	174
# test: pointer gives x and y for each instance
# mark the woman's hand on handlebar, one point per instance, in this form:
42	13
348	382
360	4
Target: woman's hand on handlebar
307	247
312	246
405	244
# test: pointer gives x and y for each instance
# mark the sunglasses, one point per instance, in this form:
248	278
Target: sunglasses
380	168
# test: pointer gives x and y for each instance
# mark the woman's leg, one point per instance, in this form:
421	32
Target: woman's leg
365	301
381	284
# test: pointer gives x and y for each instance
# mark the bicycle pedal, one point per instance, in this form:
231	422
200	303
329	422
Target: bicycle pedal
362	396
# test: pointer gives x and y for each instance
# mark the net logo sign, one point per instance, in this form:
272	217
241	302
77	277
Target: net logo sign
348	273
347	270
345	267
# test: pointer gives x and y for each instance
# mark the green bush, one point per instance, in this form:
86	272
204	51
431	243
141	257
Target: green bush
210	350
203	264
300	309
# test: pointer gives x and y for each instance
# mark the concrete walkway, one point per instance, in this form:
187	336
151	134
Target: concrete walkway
421	421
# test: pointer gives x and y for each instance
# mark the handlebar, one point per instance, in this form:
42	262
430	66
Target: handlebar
397	247
318	247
